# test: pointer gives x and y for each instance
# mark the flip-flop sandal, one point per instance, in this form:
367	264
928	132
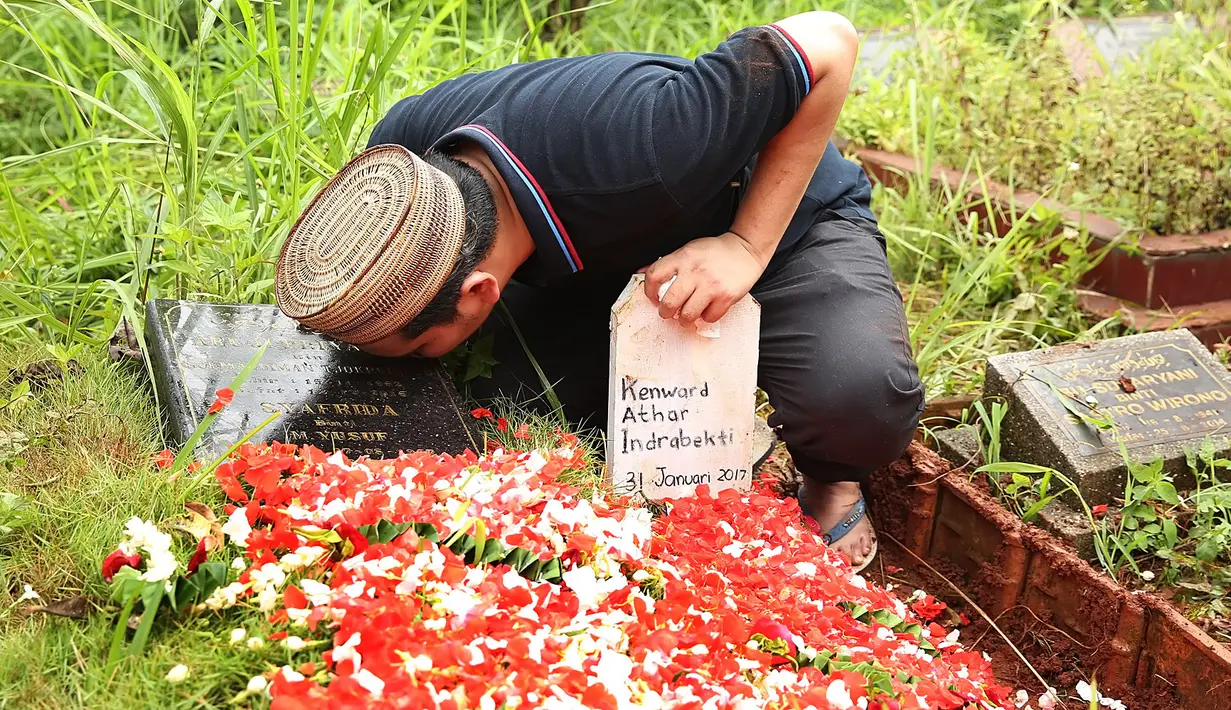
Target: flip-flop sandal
839	531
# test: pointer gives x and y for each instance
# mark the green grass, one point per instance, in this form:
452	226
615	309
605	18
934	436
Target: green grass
82	466
972	290
1147	146
58	663
972	295
167	157
79	455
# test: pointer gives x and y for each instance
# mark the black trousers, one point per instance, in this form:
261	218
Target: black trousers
835	356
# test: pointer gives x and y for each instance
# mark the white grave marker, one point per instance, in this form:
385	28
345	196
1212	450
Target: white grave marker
680	400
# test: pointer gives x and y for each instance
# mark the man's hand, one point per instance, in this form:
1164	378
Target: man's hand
711	275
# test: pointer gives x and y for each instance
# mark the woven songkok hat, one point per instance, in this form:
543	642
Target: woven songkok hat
373	247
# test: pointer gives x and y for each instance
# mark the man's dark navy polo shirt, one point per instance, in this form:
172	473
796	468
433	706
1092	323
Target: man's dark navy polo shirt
617	159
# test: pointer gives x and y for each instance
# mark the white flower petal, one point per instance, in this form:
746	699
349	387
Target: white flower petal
237	527
838	696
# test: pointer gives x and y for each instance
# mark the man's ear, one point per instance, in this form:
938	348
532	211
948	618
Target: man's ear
480	292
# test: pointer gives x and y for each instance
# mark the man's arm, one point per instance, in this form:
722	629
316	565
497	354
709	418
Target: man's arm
712	274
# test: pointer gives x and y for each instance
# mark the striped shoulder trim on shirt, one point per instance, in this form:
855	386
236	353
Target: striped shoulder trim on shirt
804	65
540	197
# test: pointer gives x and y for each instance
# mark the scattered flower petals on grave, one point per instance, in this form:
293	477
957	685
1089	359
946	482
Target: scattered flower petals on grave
481	413
463	581
163	459
926	606
145	542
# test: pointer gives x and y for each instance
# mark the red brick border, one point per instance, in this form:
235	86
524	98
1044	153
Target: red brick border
1138	639
1180	280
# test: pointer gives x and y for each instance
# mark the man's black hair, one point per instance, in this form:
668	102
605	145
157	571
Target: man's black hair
476	244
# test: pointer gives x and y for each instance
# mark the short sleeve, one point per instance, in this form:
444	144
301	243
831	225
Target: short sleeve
401	126
714	114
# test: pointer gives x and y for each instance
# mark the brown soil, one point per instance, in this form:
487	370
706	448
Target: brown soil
779	467
895	495
1053	654
42	373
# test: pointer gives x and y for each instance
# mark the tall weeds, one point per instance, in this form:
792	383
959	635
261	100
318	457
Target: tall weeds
162	149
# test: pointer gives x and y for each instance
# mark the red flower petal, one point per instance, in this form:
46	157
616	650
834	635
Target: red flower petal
198	557
928	608
502	424
1099	510
222	398
352	535
523	432
164	458
226	473
118	560
481	413
293	598
771	629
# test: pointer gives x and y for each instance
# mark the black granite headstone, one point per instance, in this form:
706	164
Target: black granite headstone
330	394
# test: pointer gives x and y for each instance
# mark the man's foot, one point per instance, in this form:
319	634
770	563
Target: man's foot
829	504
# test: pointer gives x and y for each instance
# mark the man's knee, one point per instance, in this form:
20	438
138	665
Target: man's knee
889	419
862	416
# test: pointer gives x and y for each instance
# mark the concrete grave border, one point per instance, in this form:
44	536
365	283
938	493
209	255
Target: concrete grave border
1158	283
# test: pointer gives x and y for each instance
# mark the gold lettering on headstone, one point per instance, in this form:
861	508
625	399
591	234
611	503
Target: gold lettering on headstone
1173	395
328	408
